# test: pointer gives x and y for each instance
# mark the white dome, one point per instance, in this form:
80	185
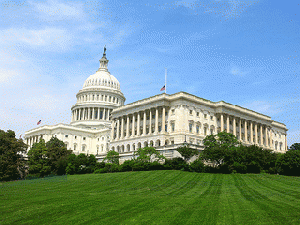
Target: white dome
102	79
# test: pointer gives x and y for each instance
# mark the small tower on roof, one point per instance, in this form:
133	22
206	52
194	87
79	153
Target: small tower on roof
103	61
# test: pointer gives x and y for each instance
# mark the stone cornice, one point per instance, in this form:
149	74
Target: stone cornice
219	106
62	126
101	90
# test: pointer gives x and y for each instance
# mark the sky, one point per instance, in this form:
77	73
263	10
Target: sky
242	52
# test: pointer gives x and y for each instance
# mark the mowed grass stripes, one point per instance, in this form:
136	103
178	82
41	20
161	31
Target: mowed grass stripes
152	197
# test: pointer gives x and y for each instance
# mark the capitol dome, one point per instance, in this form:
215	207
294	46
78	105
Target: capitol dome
100	94
102	78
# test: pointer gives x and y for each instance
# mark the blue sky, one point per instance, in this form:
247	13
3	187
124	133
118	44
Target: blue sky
242	52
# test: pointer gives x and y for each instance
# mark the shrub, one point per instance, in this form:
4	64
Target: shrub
156	166
102	170
289	163
197	166
112	167
239	167
176	164
127	166
140	166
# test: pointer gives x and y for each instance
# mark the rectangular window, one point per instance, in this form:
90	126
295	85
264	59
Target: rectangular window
198	114
173	126
75	137
191	127
66	135
197	129
205	116
83	138
191	112
173	111
159	128
211	117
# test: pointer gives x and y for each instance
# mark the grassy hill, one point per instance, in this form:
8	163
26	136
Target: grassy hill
152	197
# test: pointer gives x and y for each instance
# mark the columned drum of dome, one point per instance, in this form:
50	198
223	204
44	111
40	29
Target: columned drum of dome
99	96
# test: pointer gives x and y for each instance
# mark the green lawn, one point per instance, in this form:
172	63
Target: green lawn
152	197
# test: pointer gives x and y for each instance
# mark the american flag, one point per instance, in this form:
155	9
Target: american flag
38	123
163	88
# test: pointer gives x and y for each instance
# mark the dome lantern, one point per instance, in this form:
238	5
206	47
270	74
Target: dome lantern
103	61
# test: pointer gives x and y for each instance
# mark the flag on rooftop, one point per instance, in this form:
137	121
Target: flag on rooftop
163	88
38	123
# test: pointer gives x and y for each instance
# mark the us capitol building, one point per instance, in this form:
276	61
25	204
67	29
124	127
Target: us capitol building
101	122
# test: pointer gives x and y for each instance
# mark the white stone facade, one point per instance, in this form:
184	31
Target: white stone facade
101	122
167	121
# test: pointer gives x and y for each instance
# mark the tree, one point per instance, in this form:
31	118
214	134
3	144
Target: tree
12	163
186	152
37	159
289	163
146	153
112	157
217	146
57	155
295	146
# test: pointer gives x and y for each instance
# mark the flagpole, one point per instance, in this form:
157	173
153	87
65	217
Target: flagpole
165	80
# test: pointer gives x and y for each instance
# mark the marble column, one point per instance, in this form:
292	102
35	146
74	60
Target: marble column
271	139
144	123
138	127
122	127
256	138
89	113
127	127
93	114
133	125
112	130
222	123
118	129
246	132
266	138
98	115
234	126
163	123
261	135
240	129
150	122
227	124
104	114
251	132
156	121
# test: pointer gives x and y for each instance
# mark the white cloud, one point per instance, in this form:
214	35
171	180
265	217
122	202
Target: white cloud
7	76
53	39
237	71
57	10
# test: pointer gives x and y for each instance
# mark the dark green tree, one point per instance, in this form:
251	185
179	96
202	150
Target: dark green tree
295	146
216	147
186	152
57	155
112	157
289	163
12	163
37	159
